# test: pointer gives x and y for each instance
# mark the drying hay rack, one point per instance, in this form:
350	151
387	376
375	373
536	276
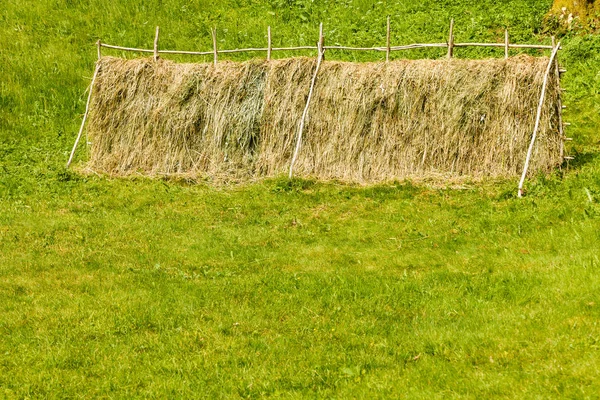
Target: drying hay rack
450	45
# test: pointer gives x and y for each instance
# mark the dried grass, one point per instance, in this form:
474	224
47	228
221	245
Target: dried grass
368	122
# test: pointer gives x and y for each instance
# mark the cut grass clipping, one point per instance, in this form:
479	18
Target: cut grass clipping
367	122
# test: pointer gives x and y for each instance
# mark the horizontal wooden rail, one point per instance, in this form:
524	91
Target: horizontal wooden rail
355	48
296	48
510	46
204	53
110	46
267	49
418	46
382	49
195	53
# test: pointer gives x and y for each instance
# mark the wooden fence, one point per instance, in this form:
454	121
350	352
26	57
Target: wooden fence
388	48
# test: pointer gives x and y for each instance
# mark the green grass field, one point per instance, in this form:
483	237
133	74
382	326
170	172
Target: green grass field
122	288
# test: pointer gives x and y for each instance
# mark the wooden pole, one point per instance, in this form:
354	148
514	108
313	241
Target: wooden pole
506	45
321	44
537	119
381	48
320	58
269	43
215	51
560	107
387	51
99	45
87	110
451	39
156	44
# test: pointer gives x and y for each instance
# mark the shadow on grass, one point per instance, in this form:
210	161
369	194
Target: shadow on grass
582	159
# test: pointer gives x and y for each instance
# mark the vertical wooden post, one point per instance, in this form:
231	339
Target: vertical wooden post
99	44
321	43
387	49
156	44
561	125
506	44
269	43
215	51
451	39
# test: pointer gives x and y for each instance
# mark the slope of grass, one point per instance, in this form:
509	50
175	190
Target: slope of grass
140	288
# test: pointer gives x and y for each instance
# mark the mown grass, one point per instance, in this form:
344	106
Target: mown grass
150	288
162	289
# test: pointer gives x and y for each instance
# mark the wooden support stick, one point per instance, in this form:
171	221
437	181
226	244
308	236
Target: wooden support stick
561	125
387	51
269	43
156	44
506	45
321	44
310	93
451	39
215	51
87	110
537	119
99	44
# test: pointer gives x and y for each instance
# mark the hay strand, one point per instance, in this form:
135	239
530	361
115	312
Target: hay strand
537	119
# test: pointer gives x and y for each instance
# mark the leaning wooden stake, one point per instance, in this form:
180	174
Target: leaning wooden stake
537	119
87	110
215	51
269	43
506	45
451	39
320	56
387	49
156	44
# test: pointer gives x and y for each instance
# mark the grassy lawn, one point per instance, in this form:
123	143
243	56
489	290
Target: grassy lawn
147	288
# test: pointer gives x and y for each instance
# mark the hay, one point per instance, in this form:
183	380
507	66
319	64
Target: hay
368	122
